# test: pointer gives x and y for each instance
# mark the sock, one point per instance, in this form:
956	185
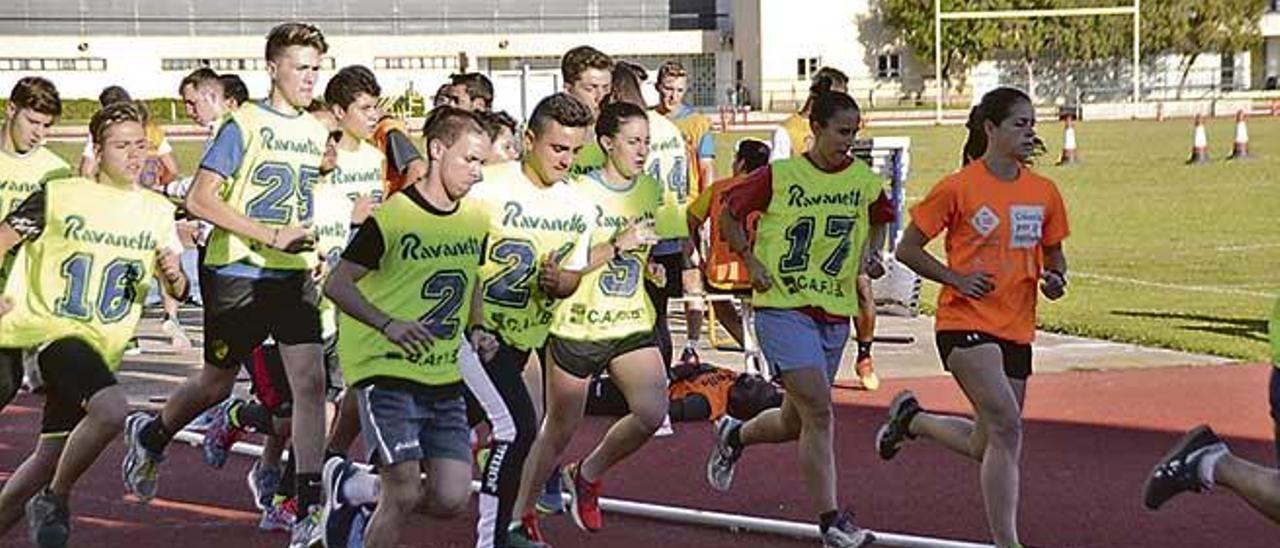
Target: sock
735	438
155	437
827	519
1212	455
864	349
288	478
308	488
361	488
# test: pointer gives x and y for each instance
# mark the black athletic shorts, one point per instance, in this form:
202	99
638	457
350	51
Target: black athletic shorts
583	359
10	374
73	372
269	382
239	314
1275	396
1017	356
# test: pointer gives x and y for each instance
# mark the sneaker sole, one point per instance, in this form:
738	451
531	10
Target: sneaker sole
895	408
132	430
253	487
715	452
1180	447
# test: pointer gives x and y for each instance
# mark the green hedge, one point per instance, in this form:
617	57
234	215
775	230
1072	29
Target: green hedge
81	110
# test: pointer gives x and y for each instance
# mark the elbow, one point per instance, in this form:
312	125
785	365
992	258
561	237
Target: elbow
194	205
330	288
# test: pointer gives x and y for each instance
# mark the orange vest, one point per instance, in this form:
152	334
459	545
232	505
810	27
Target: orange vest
393	180
724	268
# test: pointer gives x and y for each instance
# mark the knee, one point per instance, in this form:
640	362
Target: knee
652	414
307	381
403	498
110	408
1004	428
450	503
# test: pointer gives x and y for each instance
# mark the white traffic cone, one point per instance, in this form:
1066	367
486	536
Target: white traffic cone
1199	143
1240	150
1069	155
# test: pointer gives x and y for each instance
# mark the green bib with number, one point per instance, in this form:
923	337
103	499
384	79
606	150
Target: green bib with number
426	274
812	234
589	159
527	222
668	162
610	302
358	173
273	185
86	275
20	175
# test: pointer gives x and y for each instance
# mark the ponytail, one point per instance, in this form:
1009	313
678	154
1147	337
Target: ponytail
994	108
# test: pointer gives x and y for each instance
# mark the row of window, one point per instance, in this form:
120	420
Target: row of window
888	66
221	64
53	64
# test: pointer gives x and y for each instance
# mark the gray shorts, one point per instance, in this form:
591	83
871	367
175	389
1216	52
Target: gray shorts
792	340
407	422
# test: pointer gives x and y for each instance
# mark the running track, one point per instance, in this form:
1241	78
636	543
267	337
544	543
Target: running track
1090	438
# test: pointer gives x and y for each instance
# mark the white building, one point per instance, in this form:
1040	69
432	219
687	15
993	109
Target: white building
149	45
767	48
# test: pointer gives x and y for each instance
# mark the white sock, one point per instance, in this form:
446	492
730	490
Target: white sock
1212	454
362	488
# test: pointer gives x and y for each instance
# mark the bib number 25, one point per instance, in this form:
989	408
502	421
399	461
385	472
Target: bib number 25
281	191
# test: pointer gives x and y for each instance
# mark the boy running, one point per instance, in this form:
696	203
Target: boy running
75	295
255	184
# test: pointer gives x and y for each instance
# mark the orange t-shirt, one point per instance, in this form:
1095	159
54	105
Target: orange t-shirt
996	227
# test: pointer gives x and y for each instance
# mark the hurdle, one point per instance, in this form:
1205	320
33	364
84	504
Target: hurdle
688	516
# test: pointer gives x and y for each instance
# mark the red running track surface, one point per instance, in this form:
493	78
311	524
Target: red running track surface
1090	438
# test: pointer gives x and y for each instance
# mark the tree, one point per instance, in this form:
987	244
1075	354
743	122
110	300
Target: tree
1191	28
964	43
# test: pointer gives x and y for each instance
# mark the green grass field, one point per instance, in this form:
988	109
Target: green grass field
1161	253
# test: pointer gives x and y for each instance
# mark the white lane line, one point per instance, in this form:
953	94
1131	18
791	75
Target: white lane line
1175	287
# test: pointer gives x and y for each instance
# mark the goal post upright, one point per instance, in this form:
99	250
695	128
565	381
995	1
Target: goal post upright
939	16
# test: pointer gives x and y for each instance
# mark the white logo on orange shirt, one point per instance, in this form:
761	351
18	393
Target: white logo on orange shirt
1028	225
985	221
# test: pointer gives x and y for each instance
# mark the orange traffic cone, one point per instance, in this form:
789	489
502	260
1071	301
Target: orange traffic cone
1199	143
1069	144
1240	150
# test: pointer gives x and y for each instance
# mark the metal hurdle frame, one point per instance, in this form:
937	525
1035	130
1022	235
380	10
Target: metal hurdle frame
677	514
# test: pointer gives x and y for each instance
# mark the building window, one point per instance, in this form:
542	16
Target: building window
738	73
54	64
1228	81
226	64
410	62
1273	5
889	66
806	67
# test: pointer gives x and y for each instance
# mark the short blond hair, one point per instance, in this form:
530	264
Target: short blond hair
672	69
114	114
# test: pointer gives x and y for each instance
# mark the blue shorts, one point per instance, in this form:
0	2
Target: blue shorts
1275	396
405	421
793	340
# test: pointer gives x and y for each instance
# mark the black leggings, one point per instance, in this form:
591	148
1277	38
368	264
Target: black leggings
10	375
504	400
672	264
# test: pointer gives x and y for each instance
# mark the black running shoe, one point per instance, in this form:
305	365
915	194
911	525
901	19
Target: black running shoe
1179	470
50	520
895	431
